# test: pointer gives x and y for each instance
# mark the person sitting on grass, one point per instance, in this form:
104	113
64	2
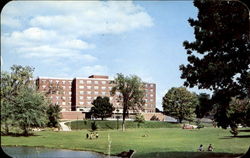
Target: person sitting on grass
200	148
87	136
210	148
96	135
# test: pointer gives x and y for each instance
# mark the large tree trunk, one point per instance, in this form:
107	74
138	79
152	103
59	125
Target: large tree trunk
123	117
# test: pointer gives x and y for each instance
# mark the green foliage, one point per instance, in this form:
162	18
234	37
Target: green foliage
219	57
131	90
30	110
139	118
180	103
102	107
21	105
53	114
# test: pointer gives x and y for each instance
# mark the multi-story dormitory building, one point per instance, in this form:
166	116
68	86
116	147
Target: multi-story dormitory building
76	95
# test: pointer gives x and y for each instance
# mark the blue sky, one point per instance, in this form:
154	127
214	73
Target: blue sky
77	39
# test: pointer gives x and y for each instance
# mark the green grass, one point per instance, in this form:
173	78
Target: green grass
160	142
86	124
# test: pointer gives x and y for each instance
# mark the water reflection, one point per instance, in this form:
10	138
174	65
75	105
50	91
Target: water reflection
36	152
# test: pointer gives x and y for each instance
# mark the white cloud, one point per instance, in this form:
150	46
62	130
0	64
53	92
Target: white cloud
54	29
42	44
78	18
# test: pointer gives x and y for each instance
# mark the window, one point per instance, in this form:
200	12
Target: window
63	103
103	93
44	86
81	87
69	98
81	97
81	92
96	82
103	82
96	87
151	100
81	103
88	92
63	98
89	98
57	97
146	100
103	88
69	103
151	85
151	95
96	93
63	87
57	81
88	82
63	82
88	87
43	81
51	97
110	88
89	102
81	82
151	90
70	93
70	82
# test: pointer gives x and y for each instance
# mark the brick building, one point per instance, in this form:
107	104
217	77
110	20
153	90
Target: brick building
77	94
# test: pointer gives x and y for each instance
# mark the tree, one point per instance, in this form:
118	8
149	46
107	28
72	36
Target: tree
131	90
219	57
139	118
21	104
102	107
205	105
53	114
30	110
179	103
11	84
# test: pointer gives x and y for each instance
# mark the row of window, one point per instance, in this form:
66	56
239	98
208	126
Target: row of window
95	87
63	103
63	87
92	82
57	81
92	98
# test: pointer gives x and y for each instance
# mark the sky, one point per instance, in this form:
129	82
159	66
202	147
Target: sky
80	38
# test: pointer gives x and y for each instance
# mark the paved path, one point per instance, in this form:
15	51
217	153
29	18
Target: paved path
65	127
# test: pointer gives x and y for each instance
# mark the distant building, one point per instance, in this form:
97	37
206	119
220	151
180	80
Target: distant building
77	94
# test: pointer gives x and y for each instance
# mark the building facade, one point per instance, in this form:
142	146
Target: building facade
77	94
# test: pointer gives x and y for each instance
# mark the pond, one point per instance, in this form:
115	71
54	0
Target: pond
39	152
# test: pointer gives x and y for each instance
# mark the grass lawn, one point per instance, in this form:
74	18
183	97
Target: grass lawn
160	142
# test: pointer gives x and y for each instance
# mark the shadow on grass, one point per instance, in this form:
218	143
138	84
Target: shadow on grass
230	137
18	134
244	130
186	155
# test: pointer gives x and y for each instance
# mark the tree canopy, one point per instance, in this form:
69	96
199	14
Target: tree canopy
180	103
21	105
131	90
219	57
102	107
